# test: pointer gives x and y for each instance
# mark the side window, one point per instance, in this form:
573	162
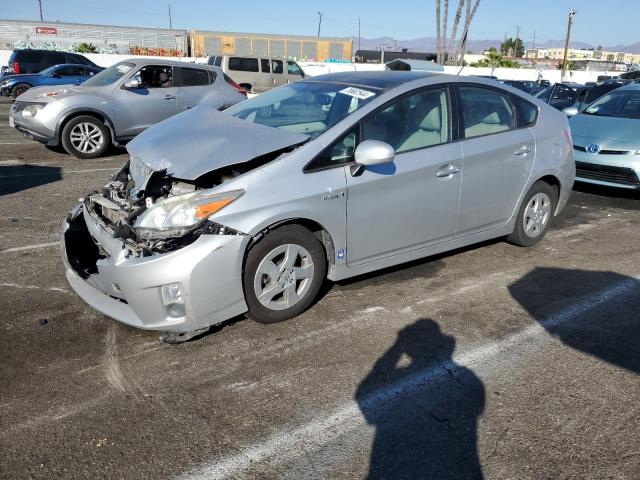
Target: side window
241	64
485	111
413	122
264	64
71	58
70	71
155	76
293	68
54	58
90	72
193	77
340	152
277	66
217	61
527	112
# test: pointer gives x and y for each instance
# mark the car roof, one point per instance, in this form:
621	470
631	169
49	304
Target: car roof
383	80
631	86
83	65
174	63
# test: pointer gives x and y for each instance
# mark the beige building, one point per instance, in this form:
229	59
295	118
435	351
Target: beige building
572	54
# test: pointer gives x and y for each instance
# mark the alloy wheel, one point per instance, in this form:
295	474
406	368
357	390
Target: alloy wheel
86	137
537	215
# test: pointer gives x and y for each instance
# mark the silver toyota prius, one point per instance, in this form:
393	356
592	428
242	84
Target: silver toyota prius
248	211
606	139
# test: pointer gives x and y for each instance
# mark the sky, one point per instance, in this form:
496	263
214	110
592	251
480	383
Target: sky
597	22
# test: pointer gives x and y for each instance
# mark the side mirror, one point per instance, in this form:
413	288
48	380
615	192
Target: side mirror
570	111
131	84
371	152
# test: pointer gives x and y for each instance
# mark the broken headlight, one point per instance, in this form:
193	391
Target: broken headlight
175	216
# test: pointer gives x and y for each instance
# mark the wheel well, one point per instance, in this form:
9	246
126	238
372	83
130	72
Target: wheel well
95	115
246	86
553	181
318	230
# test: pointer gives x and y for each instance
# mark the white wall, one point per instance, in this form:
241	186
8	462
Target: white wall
319	68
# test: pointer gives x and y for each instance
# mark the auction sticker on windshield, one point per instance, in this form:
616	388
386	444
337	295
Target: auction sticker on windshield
357	93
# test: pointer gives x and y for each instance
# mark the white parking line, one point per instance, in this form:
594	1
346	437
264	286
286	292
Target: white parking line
287	444
31	247
34	287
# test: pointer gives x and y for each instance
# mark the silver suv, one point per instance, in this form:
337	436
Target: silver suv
118	103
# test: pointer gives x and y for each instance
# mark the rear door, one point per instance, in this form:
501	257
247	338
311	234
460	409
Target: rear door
69	75
499	151
155	100
294	72
277	71
195	84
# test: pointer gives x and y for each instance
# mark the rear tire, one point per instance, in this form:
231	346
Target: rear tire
86	137
19	89
535	215
283	274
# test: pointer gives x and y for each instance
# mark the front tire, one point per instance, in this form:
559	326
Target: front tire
19	89
535	215
283	274
85	137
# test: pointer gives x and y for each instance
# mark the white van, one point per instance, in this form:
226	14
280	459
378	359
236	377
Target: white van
256	74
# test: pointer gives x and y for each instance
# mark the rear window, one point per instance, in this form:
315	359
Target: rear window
72	58
193	77
27	56
243	64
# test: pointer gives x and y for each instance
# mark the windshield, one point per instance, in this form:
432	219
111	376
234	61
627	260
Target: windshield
309	108
47	71
622	104
108	76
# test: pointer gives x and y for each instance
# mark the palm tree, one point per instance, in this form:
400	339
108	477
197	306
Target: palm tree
438	35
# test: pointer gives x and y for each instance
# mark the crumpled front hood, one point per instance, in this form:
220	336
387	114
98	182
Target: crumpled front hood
624	130
203	139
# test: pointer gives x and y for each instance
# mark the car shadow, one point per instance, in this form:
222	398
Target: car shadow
604	322
424	407
16	178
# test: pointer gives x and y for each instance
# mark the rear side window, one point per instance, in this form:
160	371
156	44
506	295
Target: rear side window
485	111
72	58
243	64
193	77
217	61
264	64
277	66
30	56
527	112
53	58
70	71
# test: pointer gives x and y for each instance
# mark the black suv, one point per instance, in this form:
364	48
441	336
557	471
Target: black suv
34	61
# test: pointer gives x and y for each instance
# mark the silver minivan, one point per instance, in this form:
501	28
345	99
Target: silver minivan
257	74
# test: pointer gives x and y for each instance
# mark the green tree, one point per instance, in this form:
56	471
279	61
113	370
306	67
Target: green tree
494	60
86	48
509	45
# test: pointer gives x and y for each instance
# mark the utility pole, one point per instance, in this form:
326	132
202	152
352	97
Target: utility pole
319	22
170	17
572	13
535	53
40	5
358	33
515	44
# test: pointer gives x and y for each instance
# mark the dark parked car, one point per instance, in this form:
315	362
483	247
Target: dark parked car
527	86
34	61
16	85
564	95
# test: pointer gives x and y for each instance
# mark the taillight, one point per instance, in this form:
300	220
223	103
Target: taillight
237	87
16	67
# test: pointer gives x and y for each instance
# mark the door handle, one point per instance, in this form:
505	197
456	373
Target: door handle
523	150
447	171
169	97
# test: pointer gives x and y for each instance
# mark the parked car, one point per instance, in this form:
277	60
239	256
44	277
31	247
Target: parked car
118	103
66	74
34	61
563	95
606	137
256	74
249	210
527	86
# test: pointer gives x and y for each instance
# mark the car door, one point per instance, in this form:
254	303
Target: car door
69	75
195	84
412	202
277	72
498	157
154	100
294	72
265	80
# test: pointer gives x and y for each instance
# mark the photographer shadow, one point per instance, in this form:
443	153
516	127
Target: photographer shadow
424	407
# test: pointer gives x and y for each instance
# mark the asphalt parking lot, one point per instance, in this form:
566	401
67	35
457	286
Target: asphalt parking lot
491	361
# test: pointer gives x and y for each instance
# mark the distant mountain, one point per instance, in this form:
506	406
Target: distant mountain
428	44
